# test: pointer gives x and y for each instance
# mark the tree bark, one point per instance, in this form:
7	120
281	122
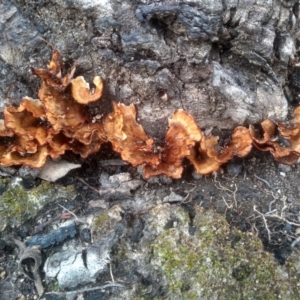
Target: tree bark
225	62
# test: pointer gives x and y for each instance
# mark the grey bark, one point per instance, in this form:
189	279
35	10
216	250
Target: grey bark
226	62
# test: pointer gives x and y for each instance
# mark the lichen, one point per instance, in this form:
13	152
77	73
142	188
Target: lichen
103	223
219	262
18	204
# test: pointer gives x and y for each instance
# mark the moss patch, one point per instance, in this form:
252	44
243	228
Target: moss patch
219	263
18	205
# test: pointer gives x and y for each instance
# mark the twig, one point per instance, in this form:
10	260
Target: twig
227	203
234	193
40	227
295	242
282	219
223	188
270	204
84	182
113	162
71	213
229	191
184	200
263	180
110	271
265	222
91	289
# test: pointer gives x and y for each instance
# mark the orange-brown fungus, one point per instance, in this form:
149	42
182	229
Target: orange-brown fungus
282	141
182	135
128	137
53	75
207	158
58	122
50	125
81	90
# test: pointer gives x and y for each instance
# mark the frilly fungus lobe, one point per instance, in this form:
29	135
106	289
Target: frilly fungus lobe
57	122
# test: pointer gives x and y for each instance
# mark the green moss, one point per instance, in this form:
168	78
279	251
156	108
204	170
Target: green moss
53	286
4	180
99	222
218	262
99	225
18	204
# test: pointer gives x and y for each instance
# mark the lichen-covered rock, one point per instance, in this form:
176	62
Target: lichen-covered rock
215	261
18	205
219	263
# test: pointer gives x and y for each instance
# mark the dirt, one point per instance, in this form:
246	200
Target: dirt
255	194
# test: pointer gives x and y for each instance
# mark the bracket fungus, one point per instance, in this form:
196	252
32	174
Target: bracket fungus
207	158
58	122
53	75
81	91
283	141
182	135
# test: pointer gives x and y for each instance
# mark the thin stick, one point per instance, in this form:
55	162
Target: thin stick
84	182
186	198
265	222
91	289
111	273
282	219
263	180
71	213
226	203
270	204
295	242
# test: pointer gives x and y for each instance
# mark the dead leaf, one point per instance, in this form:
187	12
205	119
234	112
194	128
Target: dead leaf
52	170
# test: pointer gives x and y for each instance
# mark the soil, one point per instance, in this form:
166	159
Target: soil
255	194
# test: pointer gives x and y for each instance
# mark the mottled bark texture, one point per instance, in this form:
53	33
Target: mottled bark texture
227	62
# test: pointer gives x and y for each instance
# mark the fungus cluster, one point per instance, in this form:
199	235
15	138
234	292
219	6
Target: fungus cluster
57	122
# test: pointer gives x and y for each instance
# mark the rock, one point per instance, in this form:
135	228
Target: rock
18	204
66	231
85	235
27	172
173	197
215	259
53	170
234	169
117	187
284	168
137	230
77	266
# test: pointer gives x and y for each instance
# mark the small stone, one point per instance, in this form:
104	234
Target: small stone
26	172
287	228
85	235
233	169
165	180
197	176
153	180
192	230
173	198
3	275
283	174
284	168
137	231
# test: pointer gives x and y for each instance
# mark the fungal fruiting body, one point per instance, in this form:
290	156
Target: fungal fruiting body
57	122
